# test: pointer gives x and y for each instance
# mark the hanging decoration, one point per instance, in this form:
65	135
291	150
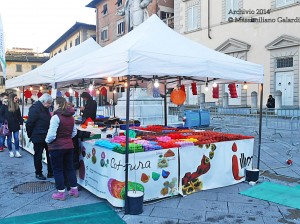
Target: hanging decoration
67	94
59	94
156	92
103	91
76	94
27	94
39	94
93	92
178	96
182	87
232	90
215	92
194	88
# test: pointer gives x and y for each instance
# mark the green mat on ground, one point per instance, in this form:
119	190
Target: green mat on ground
93	213
277	193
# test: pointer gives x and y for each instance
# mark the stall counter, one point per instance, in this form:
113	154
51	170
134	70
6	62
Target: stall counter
166	172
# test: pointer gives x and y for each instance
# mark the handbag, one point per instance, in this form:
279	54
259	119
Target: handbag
4	131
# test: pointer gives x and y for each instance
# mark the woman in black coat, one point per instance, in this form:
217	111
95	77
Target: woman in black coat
37	127
12	114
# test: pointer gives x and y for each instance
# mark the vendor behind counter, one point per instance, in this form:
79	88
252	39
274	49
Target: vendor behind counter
90	108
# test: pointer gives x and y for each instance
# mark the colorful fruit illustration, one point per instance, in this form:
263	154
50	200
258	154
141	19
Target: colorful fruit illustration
155	176
190	181
162	163
117	188
145	178
235	164
165	173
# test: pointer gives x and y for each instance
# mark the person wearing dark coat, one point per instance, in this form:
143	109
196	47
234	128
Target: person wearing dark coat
90	108
37	127
12	115
271	102
4	101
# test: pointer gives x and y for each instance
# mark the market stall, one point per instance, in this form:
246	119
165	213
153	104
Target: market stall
170	58
164	165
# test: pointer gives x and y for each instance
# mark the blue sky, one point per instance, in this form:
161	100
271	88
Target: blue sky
38	23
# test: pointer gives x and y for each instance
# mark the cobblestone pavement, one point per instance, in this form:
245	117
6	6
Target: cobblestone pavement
221	205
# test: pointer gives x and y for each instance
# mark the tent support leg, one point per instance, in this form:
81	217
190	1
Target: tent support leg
165	106
127	144
22	146
260	123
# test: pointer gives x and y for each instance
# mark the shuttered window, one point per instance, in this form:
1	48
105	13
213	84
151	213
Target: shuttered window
192	17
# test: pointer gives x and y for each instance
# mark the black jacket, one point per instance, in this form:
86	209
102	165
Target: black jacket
14	119
90	110
38	122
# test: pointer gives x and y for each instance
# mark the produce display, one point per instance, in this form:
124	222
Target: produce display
156	137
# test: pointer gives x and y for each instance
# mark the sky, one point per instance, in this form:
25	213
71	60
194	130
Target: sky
39	23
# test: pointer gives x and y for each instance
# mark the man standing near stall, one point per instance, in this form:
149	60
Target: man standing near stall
37	127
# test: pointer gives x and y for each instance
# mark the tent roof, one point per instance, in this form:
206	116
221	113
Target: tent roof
153	49
47	71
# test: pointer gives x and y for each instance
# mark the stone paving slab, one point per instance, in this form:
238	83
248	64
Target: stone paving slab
182	213
216	217
203	205
253	209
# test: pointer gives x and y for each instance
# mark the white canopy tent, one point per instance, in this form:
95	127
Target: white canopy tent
46	72
153	49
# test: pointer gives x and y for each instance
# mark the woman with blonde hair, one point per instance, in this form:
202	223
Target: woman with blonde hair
60	145
12	115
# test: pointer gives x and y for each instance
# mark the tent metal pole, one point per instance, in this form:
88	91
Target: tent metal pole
22	146
127	144
165	106
260	123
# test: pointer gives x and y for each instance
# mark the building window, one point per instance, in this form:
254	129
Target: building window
59	51
104	34
192	17
119	3
104	11
165	15
231	6
65	48
280	3
33	67
70	44
1	70
77	41
19	68
121	27
284	62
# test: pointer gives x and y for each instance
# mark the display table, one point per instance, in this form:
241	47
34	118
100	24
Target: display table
156	173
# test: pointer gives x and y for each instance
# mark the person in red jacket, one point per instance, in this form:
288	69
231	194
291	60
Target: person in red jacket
60	145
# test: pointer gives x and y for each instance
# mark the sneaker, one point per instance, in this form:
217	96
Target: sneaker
59	196
18	155
11	154
40	177
1	148
74	192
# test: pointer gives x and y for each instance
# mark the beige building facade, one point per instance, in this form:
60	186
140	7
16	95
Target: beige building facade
264	32
77	34
20	61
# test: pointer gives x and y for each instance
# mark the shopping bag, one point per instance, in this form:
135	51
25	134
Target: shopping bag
4	131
